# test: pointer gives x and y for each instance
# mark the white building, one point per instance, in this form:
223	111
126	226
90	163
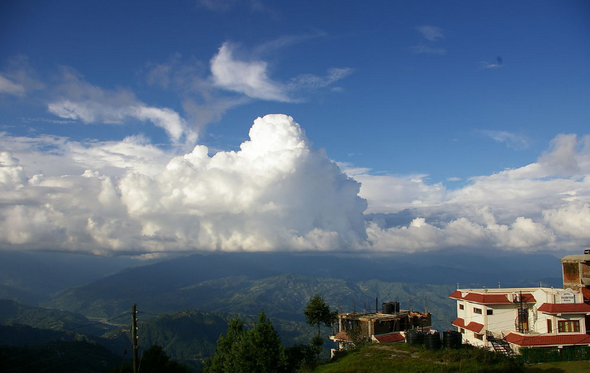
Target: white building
522	317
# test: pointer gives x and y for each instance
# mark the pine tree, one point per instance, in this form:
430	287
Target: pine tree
256	350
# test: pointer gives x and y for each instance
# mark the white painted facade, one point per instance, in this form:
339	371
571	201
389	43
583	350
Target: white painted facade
550	317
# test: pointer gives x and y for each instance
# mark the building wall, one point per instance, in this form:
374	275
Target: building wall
501	319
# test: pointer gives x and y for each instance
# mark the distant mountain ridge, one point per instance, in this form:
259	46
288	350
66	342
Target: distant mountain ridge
281	283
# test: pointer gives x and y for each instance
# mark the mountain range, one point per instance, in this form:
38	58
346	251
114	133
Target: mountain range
185	303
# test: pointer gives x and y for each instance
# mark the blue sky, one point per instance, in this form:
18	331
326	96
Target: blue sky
425	104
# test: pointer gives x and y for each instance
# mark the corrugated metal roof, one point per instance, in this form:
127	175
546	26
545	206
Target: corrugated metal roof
390	338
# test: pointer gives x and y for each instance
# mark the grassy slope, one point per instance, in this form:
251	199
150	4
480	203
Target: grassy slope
386	358
390	358
559	367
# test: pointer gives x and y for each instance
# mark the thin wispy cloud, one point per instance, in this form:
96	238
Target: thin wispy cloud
247	77
492	65
424	49
510	139
310	81
18	78
80	100
254	6
275	45
11	88
218	5
430	35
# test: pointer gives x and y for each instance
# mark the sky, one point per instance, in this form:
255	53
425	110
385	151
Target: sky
147	128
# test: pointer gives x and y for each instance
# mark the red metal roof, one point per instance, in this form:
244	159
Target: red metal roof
456	294
473	326
548	340
342	336
487	298
565	308
389	338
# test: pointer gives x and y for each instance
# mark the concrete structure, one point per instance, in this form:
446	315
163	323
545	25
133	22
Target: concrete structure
379	326
576	273
523	317
529	317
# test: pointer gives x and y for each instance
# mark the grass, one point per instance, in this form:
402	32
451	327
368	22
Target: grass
559	367
390	358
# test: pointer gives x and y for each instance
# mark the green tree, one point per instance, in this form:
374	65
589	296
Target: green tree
256	350
317	312
266	347
226	357
155	360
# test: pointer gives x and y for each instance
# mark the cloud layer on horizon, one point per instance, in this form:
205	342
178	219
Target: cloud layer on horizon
277	192
541	206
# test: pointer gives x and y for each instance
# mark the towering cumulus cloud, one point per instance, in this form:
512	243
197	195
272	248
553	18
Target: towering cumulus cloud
276	193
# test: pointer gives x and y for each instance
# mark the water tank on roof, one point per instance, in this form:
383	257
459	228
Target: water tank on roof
390	307
387	308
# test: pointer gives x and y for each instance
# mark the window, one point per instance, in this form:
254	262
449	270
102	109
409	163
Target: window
549	326
478	336
462	331
461	307
477	310
569	326
490	312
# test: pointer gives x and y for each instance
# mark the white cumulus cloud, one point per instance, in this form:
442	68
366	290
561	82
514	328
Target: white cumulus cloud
541	206
276	193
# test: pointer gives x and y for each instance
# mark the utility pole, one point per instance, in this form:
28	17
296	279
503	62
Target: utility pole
134	337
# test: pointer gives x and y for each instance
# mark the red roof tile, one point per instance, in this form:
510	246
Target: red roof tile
548	340
486	298
491	298
456	294
528	298
565	308
389	338
342	336
586	293
473	326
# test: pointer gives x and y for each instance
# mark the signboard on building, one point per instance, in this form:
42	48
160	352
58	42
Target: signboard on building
568	296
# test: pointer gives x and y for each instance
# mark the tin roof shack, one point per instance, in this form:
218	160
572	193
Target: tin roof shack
379	326
576	273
